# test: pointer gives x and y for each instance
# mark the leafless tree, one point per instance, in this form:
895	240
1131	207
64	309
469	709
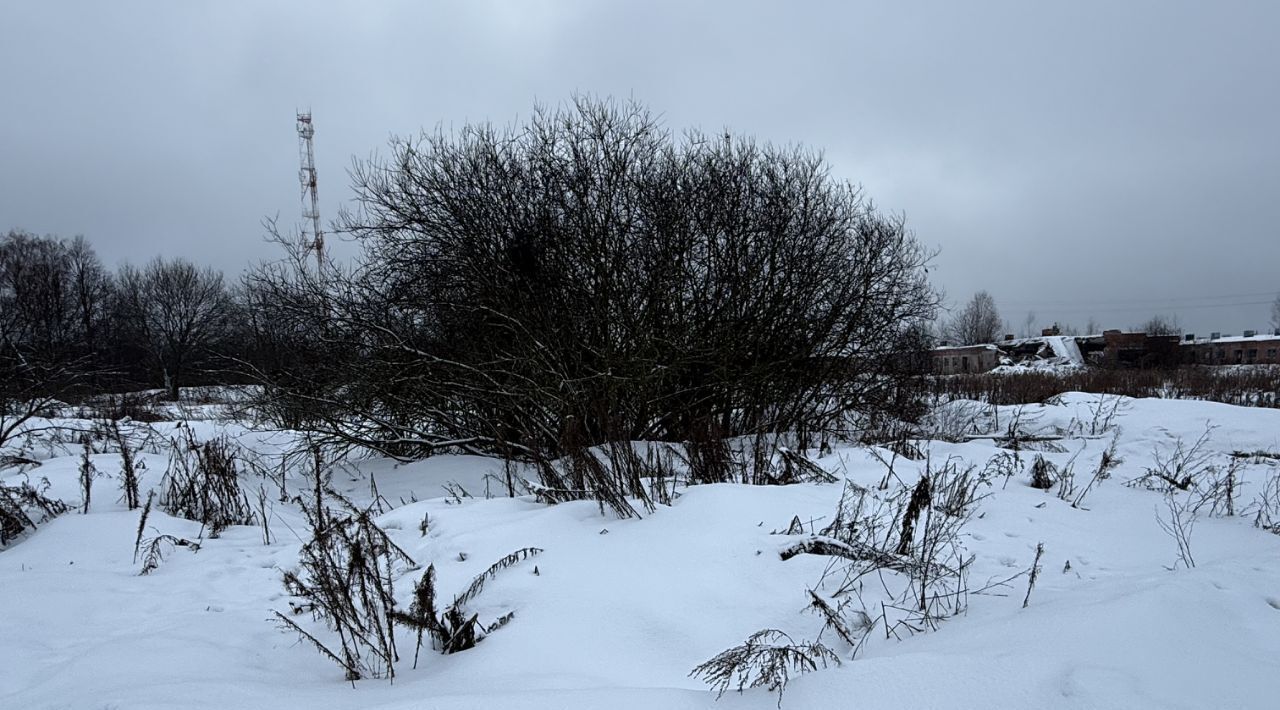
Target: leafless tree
1275	314
92	290
36	303
590	277
44	293
977	323
1029	325
1161	325
177	311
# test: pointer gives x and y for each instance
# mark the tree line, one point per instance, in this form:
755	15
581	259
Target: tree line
71	326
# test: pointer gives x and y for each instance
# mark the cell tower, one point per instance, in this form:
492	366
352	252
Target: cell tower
310	200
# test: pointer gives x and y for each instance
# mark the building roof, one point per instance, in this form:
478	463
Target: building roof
984	346
1260	337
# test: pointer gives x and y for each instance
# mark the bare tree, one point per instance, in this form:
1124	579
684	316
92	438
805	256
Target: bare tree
177	312
1029	325
1161	325
1275	315
43	354
91	291
589	277
979	322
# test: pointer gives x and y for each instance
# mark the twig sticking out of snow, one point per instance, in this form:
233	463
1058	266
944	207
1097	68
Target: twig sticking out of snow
1034	574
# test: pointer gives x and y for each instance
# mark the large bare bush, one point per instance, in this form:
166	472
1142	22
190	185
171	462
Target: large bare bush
590	270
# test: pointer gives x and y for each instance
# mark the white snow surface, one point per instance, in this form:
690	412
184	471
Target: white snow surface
621	610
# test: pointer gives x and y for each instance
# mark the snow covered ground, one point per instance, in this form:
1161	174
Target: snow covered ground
620	611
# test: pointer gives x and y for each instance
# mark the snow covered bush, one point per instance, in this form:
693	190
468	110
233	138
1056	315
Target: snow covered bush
202	483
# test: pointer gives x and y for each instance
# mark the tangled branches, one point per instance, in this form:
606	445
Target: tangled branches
348	568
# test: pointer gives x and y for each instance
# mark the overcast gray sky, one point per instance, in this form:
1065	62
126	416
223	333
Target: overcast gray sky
1106	159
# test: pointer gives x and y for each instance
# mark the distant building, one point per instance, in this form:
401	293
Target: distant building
1122	349
1114	348
959	359
1248	349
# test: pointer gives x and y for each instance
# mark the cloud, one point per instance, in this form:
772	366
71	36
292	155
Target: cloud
1059	155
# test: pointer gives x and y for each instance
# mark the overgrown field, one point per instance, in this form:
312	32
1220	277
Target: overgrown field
1085	550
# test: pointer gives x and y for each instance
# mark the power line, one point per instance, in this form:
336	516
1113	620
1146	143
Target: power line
1169	300
1141	308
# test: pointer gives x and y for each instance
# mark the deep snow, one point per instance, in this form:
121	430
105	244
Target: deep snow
621	610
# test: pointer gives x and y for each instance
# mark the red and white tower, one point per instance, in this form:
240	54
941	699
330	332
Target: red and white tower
310	199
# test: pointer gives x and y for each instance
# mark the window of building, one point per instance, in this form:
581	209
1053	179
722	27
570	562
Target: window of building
1271	353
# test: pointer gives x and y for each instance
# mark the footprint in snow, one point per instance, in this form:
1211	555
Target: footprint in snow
1274	603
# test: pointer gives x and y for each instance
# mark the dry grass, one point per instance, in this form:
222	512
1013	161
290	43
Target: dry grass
1251	387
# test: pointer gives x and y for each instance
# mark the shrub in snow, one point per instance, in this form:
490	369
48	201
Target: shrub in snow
202	484
1267	506
1217	489
767	659
610	475
761	460
1179	525
911	546
23	507
601	268
1179	468
1043	473
1108	461
709	457
346	581
154	549
110	429
957	490
455	629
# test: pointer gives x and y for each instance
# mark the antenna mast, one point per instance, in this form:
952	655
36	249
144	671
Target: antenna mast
310	200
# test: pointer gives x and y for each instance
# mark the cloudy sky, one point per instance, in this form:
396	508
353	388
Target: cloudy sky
1110	160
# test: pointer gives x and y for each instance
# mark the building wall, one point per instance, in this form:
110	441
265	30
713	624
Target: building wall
959	360
1242	351
1140	350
